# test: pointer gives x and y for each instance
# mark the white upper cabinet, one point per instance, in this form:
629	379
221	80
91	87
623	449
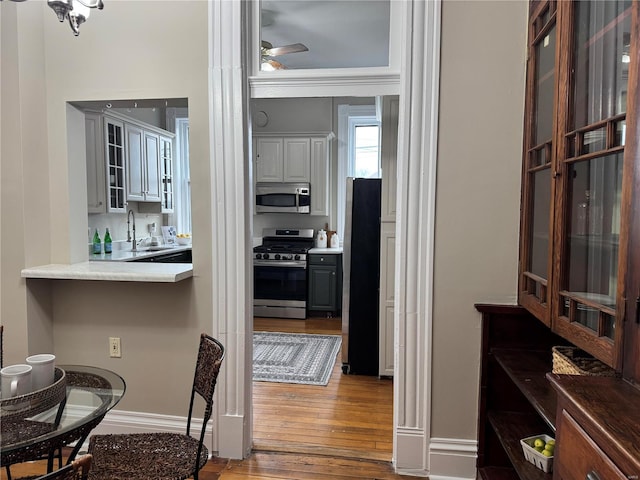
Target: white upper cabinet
143	164
127	160
282	159
269	160
135	175
319	175
152	167
114	154
296	160
96	193
166	170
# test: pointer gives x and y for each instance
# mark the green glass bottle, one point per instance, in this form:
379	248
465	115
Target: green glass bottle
107	242
97	245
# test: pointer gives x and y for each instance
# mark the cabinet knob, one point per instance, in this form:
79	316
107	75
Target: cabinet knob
592	476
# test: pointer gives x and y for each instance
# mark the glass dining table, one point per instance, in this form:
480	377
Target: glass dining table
38	425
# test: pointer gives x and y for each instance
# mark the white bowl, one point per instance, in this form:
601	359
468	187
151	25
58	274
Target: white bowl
183	240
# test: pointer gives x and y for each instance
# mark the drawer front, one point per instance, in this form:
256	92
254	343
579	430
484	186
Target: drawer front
579	457
323	259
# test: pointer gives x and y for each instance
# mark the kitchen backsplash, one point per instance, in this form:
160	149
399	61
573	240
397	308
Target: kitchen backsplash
293	220
117	225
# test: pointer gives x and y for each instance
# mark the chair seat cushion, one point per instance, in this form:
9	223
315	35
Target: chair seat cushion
159	456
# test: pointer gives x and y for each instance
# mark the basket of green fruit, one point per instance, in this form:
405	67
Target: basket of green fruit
538	450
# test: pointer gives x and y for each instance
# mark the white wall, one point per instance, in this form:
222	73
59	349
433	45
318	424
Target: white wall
44	183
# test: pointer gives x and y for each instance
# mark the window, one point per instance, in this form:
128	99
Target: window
358	149
364	158
182	212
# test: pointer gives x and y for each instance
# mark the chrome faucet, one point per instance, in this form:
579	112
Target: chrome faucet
133	243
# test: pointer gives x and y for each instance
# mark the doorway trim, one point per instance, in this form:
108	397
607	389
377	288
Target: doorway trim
417	83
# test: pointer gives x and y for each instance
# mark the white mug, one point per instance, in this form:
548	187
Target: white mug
16	380
42	374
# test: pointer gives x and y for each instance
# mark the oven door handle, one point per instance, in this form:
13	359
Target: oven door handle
267	263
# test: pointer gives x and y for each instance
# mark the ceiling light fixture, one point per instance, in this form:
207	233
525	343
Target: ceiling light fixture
76	11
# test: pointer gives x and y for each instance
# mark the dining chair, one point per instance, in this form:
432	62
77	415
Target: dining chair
161	455
76	470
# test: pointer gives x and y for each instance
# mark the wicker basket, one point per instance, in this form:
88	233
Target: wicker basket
38	401
573	361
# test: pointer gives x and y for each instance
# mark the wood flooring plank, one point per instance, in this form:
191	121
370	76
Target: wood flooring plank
352	416
274	465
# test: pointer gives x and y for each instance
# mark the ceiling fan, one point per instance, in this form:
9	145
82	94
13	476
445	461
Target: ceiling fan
268	51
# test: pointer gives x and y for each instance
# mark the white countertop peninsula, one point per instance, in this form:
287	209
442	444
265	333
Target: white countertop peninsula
117	266
113	271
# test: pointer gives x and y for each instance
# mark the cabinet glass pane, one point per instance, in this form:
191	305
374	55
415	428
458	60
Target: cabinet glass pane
601	61
594	227
539	240
545	86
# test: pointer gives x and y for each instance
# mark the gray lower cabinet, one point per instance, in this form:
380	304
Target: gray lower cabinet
325	283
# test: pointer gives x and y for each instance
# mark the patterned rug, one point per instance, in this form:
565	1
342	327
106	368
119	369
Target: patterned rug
294	357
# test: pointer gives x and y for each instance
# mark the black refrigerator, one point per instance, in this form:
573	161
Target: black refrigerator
361	270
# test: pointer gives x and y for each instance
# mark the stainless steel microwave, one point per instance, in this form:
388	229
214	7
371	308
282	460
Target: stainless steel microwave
283	198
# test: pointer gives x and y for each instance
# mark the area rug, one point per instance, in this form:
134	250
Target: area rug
294	357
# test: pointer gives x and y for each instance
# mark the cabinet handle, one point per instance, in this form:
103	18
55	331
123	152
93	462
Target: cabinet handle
592	476
638	308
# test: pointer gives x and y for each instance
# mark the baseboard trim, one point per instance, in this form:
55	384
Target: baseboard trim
452	458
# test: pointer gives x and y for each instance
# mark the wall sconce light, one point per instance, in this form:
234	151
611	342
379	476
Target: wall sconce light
76	11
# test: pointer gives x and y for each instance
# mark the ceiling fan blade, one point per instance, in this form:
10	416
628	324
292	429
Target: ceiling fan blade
293	48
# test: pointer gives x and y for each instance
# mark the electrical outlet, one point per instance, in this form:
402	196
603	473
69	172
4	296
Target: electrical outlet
114	347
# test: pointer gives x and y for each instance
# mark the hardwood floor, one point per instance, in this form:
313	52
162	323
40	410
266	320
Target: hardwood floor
342	431
351	417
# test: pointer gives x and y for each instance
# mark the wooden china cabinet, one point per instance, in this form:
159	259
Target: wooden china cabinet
579	275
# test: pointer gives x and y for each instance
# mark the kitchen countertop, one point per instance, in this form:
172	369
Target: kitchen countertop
113	271
128	255
118	266
325	251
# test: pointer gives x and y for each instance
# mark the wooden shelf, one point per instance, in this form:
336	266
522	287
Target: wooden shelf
510	429
527	369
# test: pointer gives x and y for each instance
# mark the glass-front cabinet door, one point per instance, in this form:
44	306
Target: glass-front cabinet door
114	156
166	166
578	172
590	151
538	160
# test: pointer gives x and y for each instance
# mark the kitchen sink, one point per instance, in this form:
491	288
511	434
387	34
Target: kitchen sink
158	248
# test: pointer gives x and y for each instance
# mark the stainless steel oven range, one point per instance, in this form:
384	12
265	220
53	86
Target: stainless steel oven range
280	273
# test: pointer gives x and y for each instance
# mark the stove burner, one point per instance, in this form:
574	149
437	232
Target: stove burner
281	249
284	244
